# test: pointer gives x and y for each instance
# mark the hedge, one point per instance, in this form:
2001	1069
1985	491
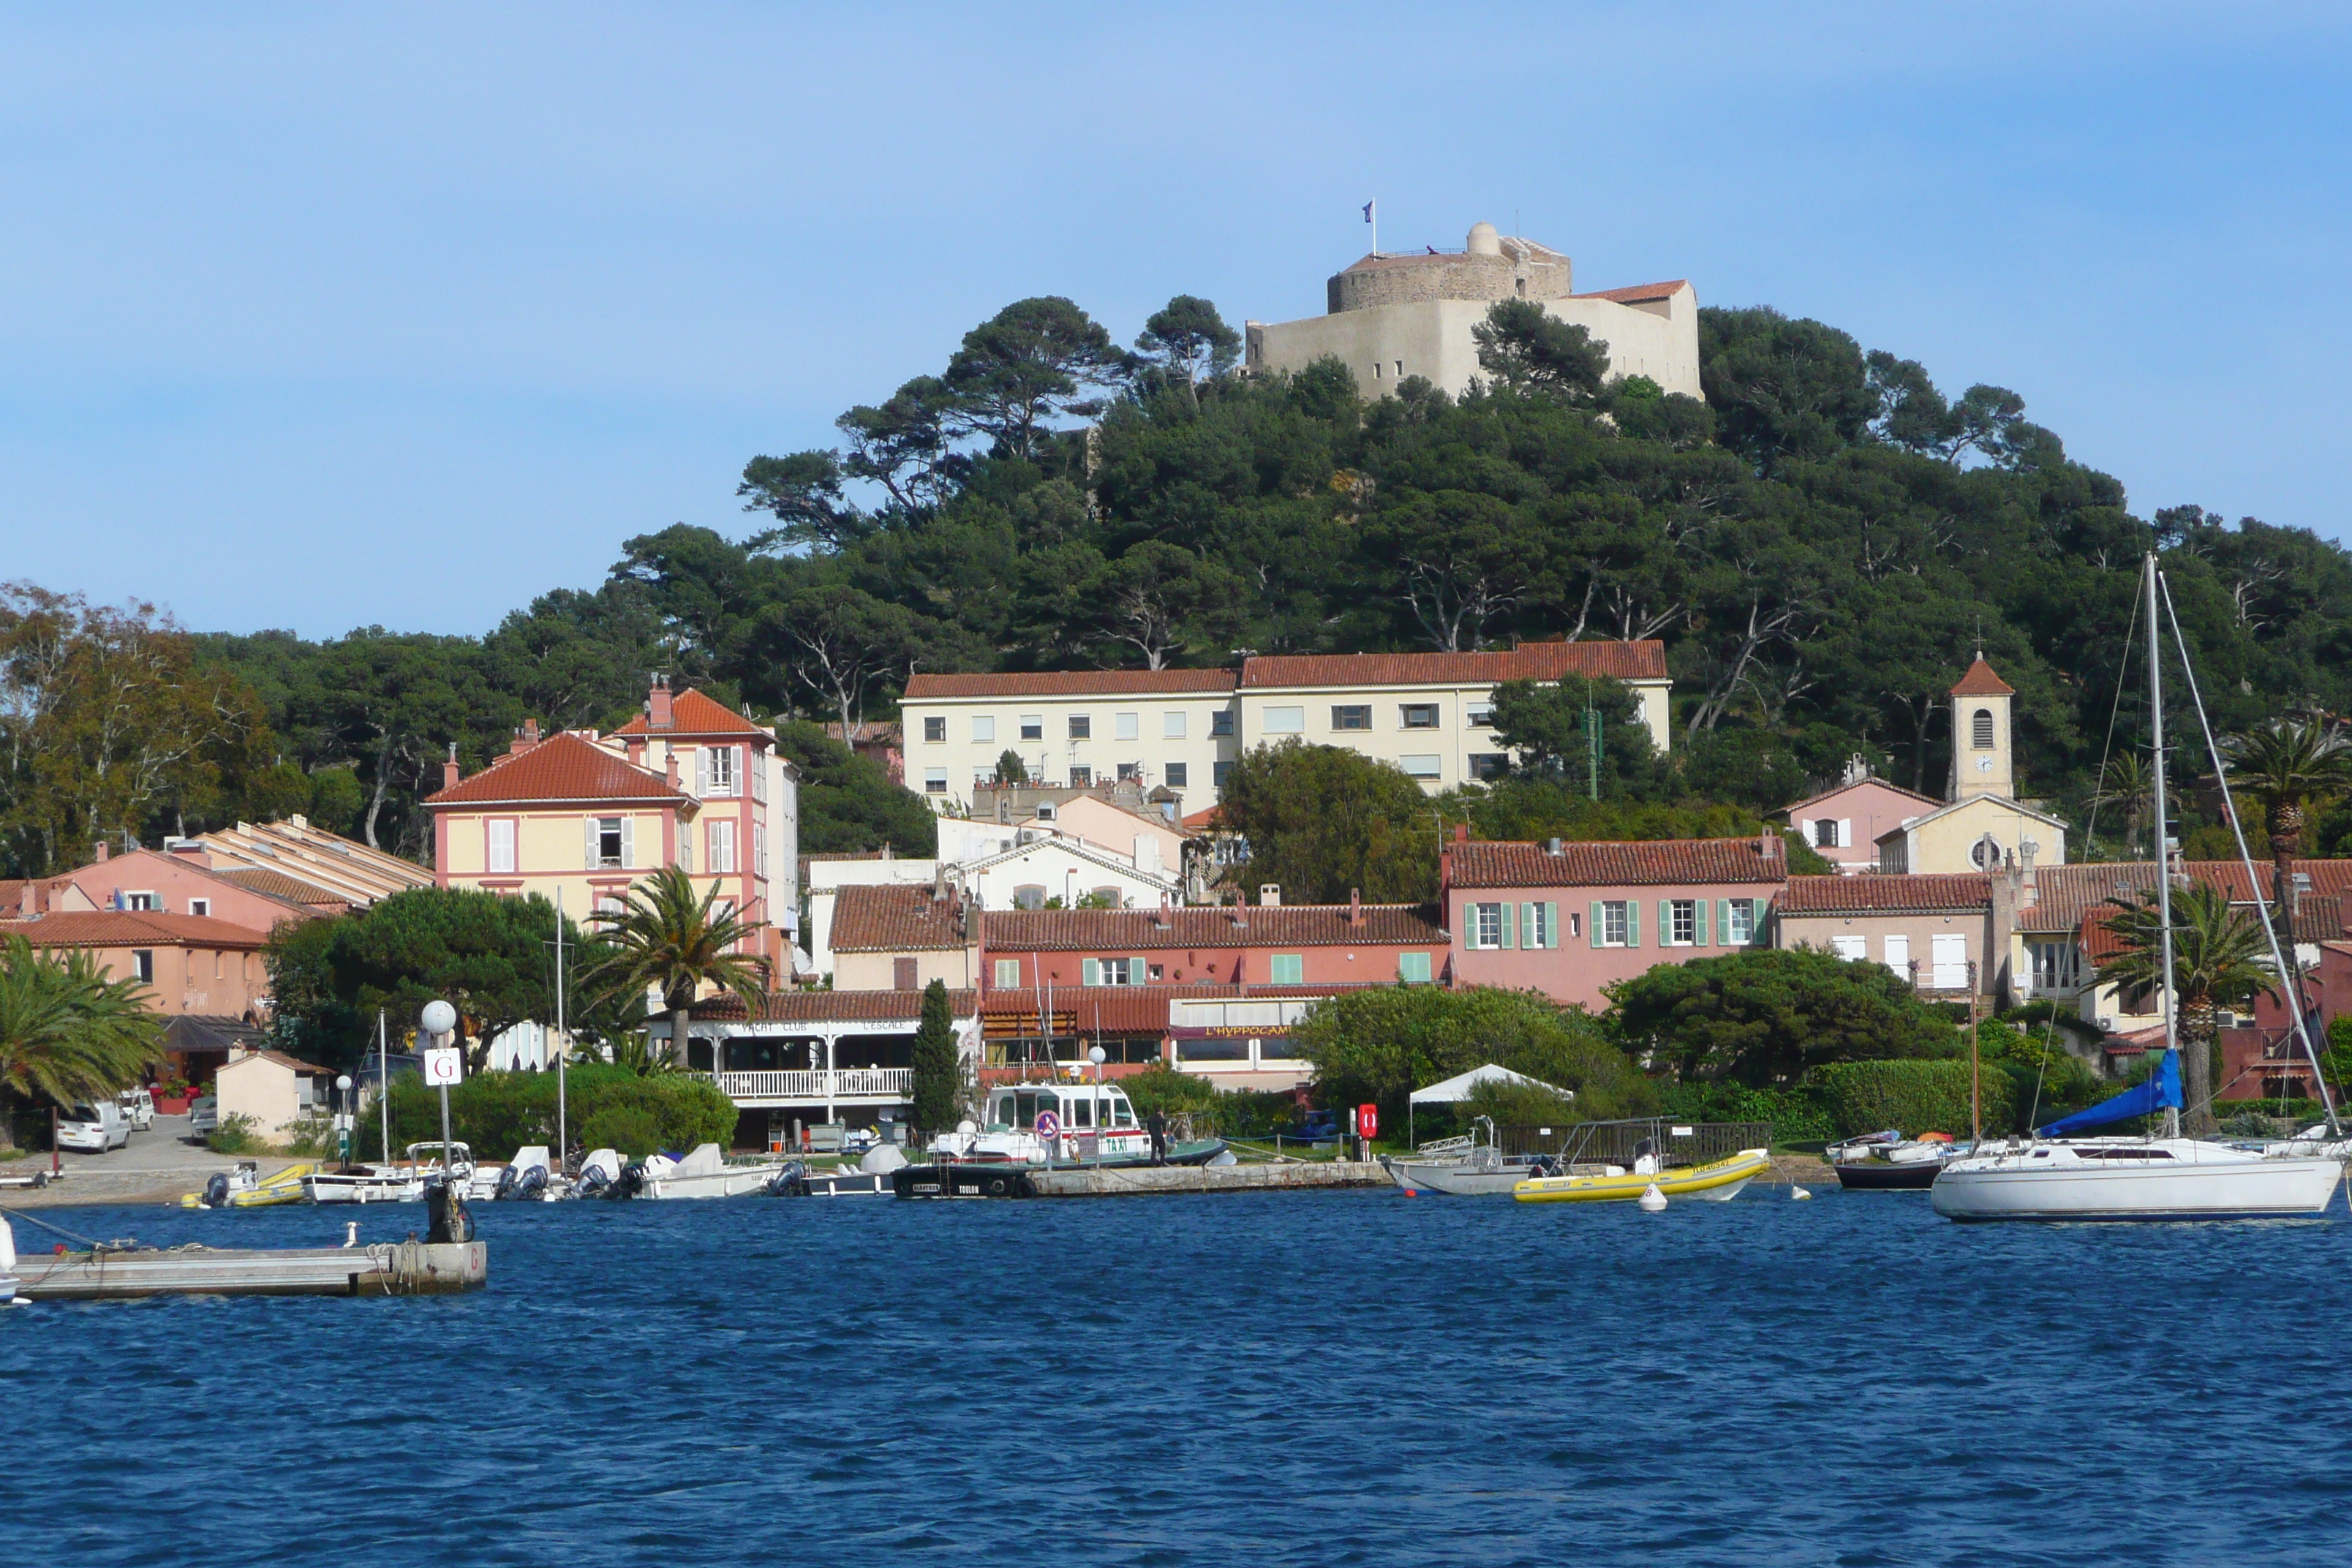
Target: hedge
494	1113
1914	1095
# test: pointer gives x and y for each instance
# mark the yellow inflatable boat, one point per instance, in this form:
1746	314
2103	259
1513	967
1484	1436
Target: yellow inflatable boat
245	1187
1718	1182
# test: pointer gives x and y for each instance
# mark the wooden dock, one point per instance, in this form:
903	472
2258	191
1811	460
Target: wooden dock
383	1269
1275	1176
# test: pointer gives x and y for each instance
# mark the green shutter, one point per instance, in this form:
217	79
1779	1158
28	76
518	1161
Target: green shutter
1530	934
1141	973
1090	972
1552	925
1665	922
1698	915
1632	922
1509	935
1723	921
1593	931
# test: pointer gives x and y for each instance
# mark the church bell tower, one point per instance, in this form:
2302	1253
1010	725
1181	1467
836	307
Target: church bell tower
1983	750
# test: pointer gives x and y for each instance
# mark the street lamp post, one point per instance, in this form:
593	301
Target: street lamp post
344	1117
439	1020
1095	1055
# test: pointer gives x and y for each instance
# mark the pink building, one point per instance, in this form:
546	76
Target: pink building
184	880
1572	919
1299	944
1844	825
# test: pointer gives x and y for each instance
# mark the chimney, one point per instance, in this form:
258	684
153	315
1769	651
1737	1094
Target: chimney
673	767
657	709
1770	845
100	851
449	768
1355	906
26	906
636	747
1551	847
938	884
2026	851
525	738
1461	832
1158	918
1269	895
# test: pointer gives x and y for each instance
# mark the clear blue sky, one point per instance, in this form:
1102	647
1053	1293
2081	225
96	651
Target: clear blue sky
325	316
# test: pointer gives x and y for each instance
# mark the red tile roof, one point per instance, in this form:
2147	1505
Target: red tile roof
1480	864
1067	683
1980	681
131	928
279	884
1140	931
832	1006
1529	661
895	918
2065	895
1795	806
1872	894
1638	293
46	890
692	713
564	766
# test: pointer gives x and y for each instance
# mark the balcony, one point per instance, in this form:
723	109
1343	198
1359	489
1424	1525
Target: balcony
844	1086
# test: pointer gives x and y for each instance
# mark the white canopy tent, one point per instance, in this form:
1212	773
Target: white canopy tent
1457	1089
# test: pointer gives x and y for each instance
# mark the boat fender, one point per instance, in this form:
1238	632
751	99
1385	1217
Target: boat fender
998	1186
1652	1199
1797	1192
216	1191
1023	1187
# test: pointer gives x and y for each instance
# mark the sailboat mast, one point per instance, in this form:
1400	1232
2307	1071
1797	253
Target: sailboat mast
2163	846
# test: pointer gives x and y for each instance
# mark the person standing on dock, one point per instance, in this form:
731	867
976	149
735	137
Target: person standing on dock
1159	1125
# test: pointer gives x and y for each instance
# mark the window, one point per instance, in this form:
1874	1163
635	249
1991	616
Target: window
1400	370
1081	777
1419	715
722	846
1218	774
1480	716
935	729
1111	972
1980	731
144	961
759	775
1412	968
1376	370
685	851
1030	896
1171	724
902	975
1130	770
1287	968
141	901
1613	924
1351	716
984	727
1428	766
1283	722
1082	726
935	781
1825	832
1856	948
1177	772
1221	722
1738	921
719	770
1008	970
1489	926
1488	764
608	841
1032	726
501	842
758	849
2054	966
1680	928
200	906
1127	726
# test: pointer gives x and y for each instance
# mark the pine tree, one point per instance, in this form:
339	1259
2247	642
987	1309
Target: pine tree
939	1075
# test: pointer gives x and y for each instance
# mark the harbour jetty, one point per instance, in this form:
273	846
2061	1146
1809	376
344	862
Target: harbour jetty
390	1269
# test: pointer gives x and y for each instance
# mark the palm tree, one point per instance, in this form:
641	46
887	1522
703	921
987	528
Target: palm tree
2130	782
2292	767
2220	958
68	1032
668	939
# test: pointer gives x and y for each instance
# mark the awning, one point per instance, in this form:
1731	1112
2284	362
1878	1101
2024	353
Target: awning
1454	1090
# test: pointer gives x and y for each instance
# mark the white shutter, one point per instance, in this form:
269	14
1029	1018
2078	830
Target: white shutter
628	842
1845	833
1090	972
590	851
701	772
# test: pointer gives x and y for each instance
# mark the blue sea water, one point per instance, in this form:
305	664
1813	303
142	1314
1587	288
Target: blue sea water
1312	1378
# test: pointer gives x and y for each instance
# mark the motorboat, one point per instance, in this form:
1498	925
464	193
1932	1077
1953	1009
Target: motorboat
526	1178
870	1178
704	1173
1718	1180
398	1183
1064	1123
2060	1174
244	1187
1888	1162
1469	1166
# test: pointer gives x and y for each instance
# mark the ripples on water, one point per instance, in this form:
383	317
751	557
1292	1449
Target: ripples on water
1310	1378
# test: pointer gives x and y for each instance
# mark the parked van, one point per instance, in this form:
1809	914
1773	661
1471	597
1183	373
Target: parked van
204	1116
94	1129
138	1108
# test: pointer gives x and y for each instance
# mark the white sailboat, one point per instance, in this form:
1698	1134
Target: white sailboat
2057	1176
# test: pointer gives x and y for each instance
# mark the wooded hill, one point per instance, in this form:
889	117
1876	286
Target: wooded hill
1821	544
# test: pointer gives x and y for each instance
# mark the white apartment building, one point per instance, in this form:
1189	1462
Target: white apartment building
1428	713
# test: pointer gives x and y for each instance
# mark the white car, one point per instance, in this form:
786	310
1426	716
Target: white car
94	1129
138	1108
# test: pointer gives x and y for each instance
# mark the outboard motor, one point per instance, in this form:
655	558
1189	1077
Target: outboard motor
627	1184
506	1183
791	1182
593	1180
533	1182
444	1206
216	1191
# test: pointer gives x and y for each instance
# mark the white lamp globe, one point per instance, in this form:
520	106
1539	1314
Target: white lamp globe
1095	1055
438	1018
343	1082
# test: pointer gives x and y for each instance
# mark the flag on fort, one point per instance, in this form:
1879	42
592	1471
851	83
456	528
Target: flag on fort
1368	210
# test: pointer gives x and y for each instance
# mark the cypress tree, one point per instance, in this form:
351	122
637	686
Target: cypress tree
939	1077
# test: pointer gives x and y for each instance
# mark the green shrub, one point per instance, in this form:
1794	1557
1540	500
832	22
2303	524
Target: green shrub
1914	1095
1224	1113
631	1130
311	1136
237	1135
1799	1115
494	1113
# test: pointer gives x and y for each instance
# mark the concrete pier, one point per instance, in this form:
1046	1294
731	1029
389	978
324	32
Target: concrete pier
395	1269
1138	1180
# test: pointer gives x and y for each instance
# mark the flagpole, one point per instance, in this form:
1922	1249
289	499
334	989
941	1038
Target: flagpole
1372	216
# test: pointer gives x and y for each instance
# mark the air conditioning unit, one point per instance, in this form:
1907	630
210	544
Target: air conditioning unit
2107	1023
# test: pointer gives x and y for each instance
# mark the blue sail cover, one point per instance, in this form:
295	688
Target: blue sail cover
2160	1090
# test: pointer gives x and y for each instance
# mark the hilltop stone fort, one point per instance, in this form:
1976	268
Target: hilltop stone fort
1395	316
